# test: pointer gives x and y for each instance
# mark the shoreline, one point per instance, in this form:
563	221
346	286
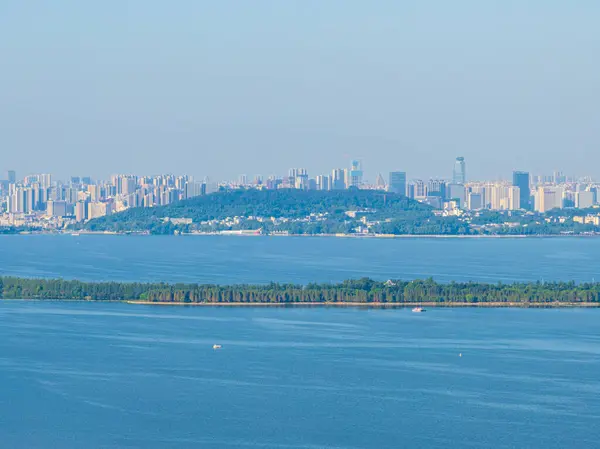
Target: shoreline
378	305
358	305
342	236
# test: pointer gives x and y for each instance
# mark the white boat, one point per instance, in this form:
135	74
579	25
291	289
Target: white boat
217	346
418	309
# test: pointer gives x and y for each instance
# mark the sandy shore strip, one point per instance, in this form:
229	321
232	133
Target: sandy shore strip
381	305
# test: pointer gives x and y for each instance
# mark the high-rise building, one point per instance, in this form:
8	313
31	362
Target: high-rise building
512	199
299	178
459	174
192	189
322	182
548	198
97	209
380	182
584	199
397	182
337	181
456	192
11	176
45	180
521	180
559	177
56	208
80	211
436	187
420	188
354	175
474	201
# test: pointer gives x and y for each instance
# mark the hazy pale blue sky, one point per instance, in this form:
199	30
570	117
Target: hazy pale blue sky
226	87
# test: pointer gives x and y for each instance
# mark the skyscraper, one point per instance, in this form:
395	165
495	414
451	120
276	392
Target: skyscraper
354	175
521	180
12	176
397	182
337	181
436	187
459	175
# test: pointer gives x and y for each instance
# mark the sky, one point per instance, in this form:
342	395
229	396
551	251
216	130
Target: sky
221	88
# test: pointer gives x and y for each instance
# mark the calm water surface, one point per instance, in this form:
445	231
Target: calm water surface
226	259
77	375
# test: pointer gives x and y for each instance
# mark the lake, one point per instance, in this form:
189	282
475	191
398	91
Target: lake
229	259
80	375
122	376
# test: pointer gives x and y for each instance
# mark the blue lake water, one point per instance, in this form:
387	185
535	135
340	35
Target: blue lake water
226	259
77	375
93	375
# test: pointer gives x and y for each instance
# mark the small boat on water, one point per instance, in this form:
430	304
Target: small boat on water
418	310
217	346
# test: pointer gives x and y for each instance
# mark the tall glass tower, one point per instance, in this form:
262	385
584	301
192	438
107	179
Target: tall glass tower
459	175
521	180
397	182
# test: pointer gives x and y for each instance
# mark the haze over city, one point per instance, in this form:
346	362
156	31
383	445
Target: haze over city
224	88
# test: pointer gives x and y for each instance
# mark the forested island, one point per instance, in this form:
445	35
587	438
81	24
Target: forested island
345	212
360	291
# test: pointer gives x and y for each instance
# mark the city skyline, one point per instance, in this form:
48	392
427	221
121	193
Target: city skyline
36	198
450	174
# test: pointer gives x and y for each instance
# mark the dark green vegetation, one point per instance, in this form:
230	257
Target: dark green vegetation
293	211
352	291
11	230
330	212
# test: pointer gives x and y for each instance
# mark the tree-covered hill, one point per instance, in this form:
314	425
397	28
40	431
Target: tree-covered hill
279	204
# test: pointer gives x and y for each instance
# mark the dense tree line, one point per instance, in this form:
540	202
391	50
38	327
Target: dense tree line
352	291
5	230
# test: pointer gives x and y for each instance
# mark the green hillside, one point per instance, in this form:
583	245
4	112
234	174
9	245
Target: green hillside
291	207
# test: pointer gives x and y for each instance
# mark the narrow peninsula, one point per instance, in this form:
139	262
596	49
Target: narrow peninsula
363	291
